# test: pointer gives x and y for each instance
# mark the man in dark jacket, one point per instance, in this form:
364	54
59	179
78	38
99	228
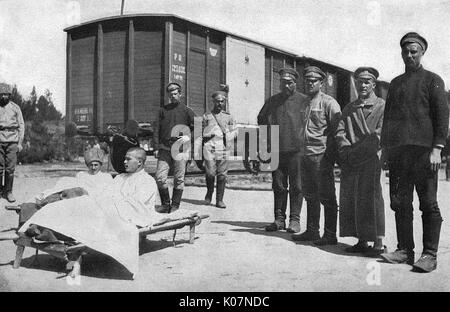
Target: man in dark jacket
174	118
413	135
284	110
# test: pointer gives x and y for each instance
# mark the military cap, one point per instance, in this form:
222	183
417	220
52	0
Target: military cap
93	154
5	88
314	72
288	74
413	37
366	72
217	93
173	86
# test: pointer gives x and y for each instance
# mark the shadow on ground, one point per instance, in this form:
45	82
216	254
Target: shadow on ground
257	228
94	264
197	202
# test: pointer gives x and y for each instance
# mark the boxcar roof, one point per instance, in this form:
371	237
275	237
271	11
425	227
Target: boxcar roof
173	16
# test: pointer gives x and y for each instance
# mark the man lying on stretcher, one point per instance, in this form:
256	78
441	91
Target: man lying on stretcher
105	219
135	187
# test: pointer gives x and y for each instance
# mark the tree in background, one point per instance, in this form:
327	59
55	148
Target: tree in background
44	128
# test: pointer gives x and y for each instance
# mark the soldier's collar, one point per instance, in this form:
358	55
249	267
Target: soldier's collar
370	101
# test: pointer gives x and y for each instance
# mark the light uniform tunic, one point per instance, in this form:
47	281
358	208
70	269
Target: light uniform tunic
12	126
361	212
214	126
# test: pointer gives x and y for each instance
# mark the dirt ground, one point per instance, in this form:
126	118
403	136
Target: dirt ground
232	252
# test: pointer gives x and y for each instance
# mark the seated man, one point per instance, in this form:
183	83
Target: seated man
94	180
107	222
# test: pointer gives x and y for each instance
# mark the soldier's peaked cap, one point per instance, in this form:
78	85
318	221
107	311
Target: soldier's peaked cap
366	72
413	37
288	74
314	72
173	86
217	93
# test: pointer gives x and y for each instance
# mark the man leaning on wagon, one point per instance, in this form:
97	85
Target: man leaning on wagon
414	132
283	110
12	130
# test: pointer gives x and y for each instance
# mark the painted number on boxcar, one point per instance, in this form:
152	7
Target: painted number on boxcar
178	67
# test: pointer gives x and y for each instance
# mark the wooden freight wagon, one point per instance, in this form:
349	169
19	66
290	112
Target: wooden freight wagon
117	69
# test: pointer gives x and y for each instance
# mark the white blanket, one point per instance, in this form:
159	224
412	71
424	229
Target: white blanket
105	221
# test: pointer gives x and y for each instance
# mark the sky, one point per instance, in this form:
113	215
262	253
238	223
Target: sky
347	33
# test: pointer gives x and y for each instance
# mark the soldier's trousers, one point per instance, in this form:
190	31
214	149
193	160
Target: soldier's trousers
409	168
8	161
163	166
286	179
319	188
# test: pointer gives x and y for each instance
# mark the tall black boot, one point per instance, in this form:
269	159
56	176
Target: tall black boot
312	222
221	181
165	200
9	181
280	203
209	189
176	199
313	216
431	233
398	226
330	211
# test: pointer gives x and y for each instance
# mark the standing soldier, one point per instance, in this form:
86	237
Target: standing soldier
218	131
414	131
361	212
172	116
12	130
284	110
321	115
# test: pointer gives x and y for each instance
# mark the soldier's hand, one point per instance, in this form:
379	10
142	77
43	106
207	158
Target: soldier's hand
435	159
156	153
19	148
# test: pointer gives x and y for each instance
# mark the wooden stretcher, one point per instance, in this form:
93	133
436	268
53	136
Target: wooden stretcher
79	250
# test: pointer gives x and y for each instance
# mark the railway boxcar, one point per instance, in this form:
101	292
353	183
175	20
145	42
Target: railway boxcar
117	69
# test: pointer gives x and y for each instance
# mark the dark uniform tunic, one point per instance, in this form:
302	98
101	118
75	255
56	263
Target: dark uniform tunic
171	115
361	212
415	121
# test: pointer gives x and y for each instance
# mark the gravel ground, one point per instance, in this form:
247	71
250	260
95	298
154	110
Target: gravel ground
232	252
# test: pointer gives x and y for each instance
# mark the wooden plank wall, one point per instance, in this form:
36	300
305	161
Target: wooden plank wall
114	71
274	62
214	72
196	73
178	70
82	79
147	74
